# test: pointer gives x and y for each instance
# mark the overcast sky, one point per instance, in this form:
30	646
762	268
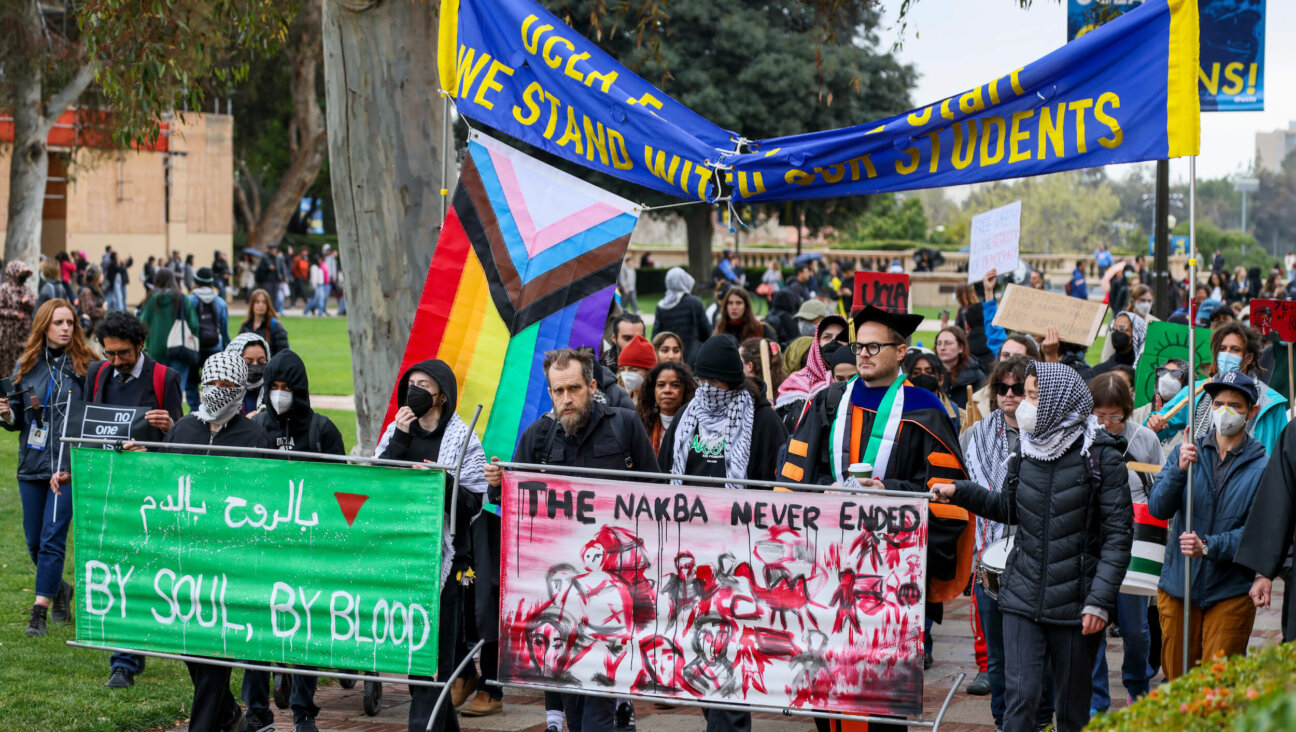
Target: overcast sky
958	44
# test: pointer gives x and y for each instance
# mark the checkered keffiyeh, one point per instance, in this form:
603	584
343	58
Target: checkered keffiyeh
1065	412
220	402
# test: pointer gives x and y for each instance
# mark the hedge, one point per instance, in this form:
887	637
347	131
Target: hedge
1252	693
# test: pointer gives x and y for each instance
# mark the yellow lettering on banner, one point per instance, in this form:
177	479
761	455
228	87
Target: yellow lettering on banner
467	70
616	146
1211	81
1100	114
855	163
1052	131
1018	136
1079	106
906	168
918	119
605	80
532	42
531	97
971	102
657	166
647	100
572	132
945	109
595	139
994	90
999	124
798	177
1014	77
963	154
570	71
745	190
935	150
1233	72
489	83
704	175
553	115
832	174
550	60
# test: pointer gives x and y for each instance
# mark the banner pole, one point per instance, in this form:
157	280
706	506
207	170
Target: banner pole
458	471
67	413
445	153
1192	416
468	658
1291	387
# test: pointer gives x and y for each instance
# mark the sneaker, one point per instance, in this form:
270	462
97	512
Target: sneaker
120	679
254	722
927	661
36	623
980	686
625	719
306	724
61	610
482	705
552	728
461	690
235	724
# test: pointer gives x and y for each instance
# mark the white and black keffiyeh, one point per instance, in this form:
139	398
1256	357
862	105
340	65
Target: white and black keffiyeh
241	342
1138	333
715	412
1065	412
219	403
987	464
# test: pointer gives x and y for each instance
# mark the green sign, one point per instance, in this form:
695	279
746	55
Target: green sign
1164	342
322	564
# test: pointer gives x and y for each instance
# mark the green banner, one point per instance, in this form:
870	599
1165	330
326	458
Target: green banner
321	564
1165	341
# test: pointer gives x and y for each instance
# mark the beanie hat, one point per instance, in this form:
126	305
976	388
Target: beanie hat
718	359
638	353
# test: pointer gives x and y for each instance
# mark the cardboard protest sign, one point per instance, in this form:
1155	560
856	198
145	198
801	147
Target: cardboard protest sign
769	599
319	564
886	290
996	237
1275	316
1165	341
106	421
1028	310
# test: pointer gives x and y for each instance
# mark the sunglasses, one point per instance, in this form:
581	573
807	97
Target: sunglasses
1002	389
1163	371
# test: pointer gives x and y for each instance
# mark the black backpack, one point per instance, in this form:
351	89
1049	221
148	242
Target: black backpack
208	326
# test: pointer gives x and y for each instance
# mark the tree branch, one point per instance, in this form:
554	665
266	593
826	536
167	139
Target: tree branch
59	103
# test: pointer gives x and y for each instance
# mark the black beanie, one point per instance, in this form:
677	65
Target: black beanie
719	359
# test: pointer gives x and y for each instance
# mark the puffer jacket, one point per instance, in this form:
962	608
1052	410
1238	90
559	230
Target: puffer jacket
1218	518
1073	542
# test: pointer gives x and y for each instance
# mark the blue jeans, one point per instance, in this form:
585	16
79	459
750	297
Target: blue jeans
992	629
46	531
128	662
1136	672
319	301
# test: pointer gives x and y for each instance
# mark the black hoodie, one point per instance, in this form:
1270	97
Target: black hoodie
782	316
292	431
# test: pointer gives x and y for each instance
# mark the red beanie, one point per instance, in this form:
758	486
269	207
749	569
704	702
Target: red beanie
639	353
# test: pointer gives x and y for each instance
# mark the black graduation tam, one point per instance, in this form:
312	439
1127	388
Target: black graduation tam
903	323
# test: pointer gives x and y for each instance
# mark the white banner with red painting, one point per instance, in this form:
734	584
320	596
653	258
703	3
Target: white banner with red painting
774	599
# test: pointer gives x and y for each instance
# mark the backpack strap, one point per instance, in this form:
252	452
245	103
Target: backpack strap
159	384
551	429
622	439
94	385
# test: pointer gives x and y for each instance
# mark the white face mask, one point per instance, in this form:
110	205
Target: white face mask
1167	386
1228	422
281	401
1026	414
631	381
1143	308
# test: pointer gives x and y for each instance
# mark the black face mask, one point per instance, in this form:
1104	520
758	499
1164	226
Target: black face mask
1120	341
926	381
256	372
420	401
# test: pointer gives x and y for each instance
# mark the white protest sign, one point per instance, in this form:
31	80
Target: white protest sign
996	236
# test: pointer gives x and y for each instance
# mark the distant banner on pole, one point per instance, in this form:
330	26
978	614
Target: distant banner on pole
1122	93
1274	316
1231	78
275	561
886	290
996	241
513	65
770	599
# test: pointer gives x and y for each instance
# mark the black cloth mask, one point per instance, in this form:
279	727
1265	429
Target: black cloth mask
1120	341
420	401
926	381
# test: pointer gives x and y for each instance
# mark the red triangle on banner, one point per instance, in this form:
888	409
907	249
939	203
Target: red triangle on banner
350	504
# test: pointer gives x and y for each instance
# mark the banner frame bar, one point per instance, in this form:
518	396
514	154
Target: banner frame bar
267	451
276	669
563	470
756	708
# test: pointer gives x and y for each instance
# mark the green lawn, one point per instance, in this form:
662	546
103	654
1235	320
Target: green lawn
325	347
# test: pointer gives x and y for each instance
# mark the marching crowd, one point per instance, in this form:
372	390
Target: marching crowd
1021	444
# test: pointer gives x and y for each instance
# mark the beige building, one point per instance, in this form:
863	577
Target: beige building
97	198
1273	147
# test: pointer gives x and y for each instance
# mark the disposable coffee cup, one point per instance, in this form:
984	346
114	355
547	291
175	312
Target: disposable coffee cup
861	471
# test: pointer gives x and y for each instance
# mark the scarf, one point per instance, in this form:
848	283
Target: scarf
220	403
726	413
240	343
1138	333
987	464
1065	412
807	382
678	284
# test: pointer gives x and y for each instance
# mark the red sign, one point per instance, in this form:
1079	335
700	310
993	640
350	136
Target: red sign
1275	316
889	291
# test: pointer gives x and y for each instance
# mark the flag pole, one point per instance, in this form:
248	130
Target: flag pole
1192	415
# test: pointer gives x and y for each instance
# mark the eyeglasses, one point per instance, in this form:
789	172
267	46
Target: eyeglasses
123	353
1002	389
871	349
1112	418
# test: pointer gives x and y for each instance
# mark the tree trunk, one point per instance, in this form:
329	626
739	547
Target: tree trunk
699	227
380	77
308	142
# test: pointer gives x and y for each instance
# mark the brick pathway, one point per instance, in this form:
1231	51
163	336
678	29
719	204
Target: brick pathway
524	711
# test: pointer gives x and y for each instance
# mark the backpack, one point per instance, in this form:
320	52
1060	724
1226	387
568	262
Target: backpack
208	326
1070	285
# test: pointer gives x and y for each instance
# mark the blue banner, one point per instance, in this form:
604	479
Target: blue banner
1231	78
514	66
1125	92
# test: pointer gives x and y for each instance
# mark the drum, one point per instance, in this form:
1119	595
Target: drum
994	559
1147	554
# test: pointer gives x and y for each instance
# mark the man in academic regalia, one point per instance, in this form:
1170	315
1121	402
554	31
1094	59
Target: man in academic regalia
1267	538
902	431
